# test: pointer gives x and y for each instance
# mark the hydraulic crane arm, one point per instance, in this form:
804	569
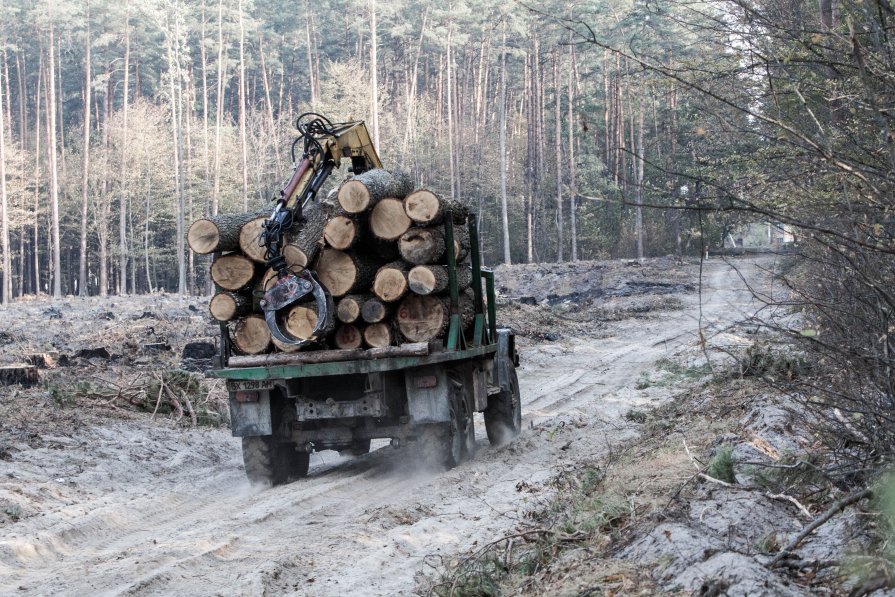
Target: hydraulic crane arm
325	145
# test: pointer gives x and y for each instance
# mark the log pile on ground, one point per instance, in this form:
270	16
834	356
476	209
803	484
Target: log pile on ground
378	246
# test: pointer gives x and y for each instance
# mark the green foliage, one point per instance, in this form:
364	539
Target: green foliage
721	466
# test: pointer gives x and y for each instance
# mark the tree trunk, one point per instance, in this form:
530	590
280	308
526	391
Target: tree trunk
251	335
242	111
639	213
304	239
573	224
85	172
54	175
358	194
122	173
558	150
374	74
423	318
344	272
225	306
348	336
435	279
422	245
388	220
250	239
6	290
218	123
390	283
233	272
504	216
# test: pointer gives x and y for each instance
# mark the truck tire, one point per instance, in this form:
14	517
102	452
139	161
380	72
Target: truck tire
269	462
447	445
503	416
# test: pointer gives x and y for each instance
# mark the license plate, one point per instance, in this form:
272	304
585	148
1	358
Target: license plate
237	385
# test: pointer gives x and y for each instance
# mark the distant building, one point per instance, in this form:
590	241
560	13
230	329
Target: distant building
760	234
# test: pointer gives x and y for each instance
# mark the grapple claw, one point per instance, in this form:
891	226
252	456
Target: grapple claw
288	290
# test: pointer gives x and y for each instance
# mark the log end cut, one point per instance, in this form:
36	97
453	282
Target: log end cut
203	237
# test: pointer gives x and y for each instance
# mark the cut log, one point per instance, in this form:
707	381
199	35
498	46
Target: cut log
218	233
25	375
420	246
388	221
358	194
425	318
251	335
419	349
341	232
304	239
283	347
225	305
270	276
348	336
434	279
232	272
250	239
426	208
374	310
379	335
344	272
461	243
390	283
348	309
300	321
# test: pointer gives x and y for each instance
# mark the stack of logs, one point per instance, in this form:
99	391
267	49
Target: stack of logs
377	246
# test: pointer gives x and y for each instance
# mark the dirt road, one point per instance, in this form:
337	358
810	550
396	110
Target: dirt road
131	509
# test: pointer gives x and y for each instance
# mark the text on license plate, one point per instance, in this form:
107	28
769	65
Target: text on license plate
235	385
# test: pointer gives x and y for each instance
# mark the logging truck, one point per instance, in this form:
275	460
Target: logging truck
365	318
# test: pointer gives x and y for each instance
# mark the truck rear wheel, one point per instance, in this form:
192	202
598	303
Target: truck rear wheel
270	462
503	417
451	443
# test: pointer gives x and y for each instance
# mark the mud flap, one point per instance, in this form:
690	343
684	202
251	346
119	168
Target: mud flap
250	418
427	394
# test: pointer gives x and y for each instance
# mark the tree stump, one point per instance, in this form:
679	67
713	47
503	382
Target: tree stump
24	375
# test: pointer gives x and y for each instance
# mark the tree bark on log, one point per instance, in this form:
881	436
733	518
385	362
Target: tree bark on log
379	335
304	239
419	349
358	194
226	305
232	272
348	310
251	335
250	238
374	310
345	272
218	233
435	279
348	336
25	375
426	208
341	232
388	221
420	246
390	283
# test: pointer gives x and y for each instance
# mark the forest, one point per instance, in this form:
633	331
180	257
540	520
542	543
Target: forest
124	121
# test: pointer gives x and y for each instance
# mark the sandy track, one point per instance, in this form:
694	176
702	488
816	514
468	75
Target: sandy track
131	509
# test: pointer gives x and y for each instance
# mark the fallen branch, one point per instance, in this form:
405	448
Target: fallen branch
837	507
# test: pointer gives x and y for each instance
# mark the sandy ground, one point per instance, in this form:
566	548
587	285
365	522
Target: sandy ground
132	507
